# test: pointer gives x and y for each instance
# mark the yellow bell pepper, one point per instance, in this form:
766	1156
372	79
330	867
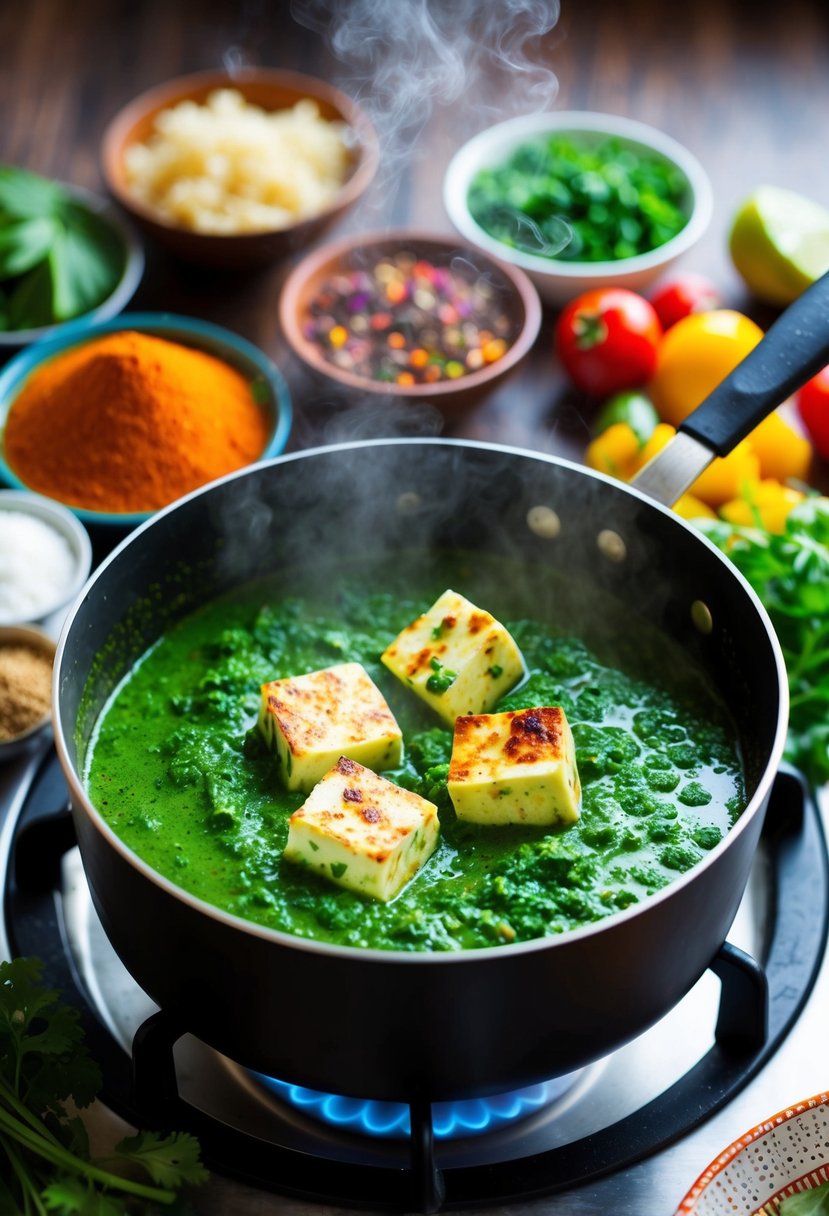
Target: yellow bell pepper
782	451
662	433
691	507
728	476
614	451
769	500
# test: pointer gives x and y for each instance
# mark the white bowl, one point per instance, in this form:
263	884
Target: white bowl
785	1154
49	614
560	281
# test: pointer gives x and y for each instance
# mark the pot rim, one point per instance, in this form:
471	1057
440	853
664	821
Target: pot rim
754	806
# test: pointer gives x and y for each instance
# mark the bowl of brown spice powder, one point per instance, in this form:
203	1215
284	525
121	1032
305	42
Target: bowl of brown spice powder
26	659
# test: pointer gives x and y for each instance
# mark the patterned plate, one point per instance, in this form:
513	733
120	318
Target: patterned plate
785	1154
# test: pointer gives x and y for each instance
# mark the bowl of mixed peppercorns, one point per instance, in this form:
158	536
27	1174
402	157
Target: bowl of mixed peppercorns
409	316
578	200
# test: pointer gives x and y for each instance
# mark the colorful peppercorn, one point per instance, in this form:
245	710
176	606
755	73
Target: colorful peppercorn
407	321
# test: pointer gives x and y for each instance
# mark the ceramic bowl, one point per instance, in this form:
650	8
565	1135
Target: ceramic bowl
189	331
272	90
517	301
125	288
44	605
559	281
27	740
785	1154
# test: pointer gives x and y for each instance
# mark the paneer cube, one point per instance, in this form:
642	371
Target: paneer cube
310	721
515	767
362	831
457	657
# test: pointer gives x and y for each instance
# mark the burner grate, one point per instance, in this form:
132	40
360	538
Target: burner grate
758	1007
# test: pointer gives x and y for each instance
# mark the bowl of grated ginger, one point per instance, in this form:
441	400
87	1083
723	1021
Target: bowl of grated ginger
233	170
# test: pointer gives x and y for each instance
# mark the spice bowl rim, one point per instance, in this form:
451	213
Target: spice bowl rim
341	253
66	522
27	739
122	293
560	281
238	250
193	331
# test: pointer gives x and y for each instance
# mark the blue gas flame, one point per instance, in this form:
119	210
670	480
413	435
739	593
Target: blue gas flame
464	1117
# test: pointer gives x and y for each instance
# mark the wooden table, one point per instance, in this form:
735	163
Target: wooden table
744	85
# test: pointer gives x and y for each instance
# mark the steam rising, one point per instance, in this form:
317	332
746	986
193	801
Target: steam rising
400	61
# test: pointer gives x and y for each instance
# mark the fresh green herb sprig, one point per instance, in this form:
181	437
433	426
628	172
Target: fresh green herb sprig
790	573
45	1162
561	198
58	259
814	1202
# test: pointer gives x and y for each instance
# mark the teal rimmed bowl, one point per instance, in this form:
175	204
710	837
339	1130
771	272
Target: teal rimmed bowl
188	331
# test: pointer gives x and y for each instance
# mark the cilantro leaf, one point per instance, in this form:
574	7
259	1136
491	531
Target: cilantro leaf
169	1160
42	1053
72	1197
22	995
790	573
45	1162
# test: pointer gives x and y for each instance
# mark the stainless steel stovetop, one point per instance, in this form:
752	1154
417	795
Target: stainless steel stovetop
595	1098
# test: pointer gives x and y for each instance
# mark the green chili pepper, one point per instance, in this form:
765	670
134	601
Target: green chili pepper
637	410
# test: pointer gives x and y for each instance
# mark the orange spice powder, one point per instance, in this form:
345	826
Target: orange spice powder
130	422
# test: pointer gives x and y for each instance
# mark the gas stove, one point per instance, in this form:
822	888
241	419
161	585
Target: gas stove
629	1133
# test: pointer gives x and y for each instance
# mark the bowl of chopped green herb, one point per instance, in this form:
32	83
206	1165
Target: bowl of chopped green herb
778	1168
578	200
65	253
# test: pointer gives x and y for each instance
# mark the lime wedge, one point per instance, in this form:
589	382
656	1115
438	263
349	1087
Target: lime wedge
779	243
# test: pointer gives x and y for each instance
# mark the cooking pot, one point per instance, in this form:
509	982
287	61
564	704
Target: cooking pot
387	1024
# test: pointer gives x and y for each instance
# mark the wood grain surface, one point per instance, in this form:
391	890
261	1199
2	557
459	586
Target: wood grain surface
743	84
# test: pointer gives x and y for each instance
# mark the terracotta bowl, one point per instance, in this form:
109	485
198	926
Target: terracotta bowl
786	1154
517	299
272	90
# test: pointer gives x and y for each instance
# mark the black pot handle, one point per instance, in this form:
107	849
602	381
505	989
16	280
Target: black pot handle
793	350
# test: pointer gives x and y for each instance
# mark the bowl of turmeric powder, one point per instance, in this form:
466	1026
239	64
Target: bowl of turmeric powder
119	418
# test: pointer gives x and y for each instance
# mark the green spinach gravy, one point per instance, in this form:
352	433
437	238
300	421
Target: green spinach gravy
178	769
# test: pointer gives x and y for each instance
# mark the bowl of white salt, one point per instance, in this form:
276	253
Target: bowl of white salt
45	559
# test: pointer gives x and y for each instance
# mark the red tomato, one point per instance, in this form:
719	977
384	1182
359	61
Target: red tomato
607	340
683	294
813	404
